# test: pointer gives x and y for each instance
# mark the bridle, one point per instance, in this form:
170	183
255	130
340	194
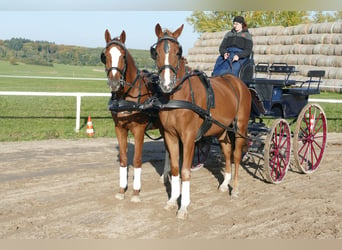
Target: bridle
154	53
121	71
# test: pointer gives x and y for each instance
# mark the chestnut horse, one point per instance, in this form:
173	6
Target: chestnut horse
130	89
229	111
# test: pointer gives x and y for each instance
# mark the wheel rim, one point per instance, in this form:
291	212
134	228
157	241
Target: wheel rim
310	138
277	151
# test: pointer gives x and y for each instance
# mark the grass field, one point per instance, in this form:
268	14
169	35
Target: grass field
36	118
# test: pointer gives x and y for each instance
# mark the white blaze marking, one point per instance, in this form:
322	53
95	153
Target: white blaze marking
167	73
115	53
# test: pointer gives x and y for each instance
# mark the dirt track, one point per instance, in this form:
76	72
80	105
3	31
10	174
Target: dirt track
60	189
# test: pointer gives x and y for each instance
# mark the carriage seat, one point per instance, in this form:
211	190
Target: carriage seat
247	69
269	71
306	88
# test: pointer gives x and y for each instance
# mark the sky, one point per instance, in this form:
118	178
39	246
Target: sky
87	28
83	22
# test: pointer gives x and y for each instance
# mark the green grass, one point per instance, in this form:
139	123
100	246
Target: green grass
36	118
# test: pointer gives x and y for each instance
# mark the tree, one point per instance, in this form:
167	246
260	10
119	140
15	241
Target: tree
212	21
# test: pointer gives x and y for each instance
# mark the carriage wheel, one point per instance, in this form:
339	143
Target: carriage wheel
277	151
310	138
201	153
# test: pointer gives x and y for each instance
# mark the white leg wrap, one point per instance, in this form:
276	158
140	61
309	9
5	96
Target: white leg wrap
137	179
227	178
175	187
185	194
123	177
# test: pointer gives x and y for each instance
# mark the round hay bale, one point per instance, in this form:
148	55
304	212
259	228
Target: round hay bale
320	28
324	61
336	38
338	50
284	40
339	74
300	29
337	61
260	40
306	49
291	59
309	28
297	49
286	49
330	73
312	39
327	38
289	30
275	50
261	31
317	49
336	27
274	30
310	59
324	49
331	50
262	49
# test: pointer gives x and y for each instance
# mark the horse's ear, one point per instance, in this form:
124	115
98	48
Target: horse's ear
123	36
178	32
158	30
107	36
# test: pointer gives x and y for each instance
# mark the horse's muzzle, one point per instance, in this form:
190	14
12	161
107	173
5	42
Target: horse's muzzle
114	84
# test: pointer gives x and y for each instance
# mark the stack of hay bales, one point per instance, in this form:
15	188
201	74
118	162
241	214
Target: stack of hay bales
306	46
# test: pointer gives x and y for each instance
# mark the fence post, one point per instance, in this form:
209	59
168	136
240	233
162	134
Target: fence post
78	112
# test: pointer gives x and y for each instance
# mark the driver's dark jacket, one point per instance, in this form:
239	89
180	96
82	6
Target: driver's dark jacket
242	40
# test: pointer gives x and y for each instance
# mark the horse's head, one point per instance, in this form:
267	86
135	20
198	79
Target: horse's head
114	59
167	53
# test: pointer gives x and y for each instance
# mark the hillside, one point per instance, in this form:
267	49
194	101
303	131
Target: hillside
48	53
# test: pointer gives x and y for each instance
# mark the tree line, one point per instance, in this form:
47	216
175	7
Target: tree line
47	53
214	21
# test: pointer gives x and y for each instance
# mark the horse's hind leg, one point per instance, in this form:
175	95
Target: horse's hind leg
240	142
226	148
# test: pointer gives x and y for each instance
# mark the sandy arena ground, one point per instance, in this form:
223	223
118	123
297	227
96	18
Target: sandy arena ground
64	189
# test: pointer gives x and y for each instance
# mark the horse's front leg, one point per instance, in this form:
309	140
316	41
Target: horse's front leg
138	133
123	170
188	152
173	148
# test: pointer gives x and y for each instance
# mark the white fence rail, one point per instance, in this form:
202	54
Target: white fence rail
78	96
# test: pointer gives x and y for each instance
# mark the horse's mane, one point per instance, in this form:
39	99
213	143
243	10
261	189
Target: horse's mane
167	31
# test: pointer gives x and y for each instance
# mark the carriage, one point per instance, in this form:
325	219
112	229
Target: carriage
283	101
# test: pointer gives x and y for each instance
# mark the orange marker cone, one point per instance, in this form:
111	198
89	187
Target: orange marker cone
90	129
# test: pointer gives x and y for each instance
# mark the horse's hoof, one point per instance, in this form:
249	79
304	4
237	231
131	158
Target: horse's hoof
182	214
170	205
120	196
223	188
135	199
234	194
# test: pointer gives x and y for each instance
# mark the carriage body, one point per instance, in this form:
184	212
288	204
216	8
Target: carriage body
276	96
280	95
